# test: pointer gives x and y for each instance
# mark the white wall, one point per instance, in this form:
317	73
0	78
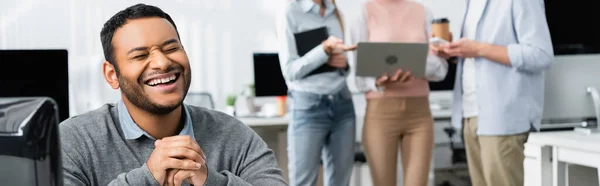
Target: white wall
452	9
219	36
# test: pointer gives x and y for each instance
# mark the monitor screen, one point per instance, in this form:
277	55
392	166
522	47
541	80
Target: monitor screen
35	73
268	79
448	83
565	88
572	26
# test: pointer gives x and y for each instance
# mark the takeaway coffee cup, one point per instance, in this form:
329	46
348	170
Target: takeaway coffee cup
441	28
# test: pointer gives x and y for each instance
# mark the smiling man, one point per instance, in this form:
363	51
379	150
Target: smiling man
150	137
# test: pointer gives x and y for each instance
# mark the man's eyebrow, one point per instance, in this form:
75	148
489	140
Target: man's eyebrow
170	41
137	49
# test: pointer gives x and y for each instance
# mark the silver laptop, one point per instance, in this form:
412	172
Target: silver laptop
376	58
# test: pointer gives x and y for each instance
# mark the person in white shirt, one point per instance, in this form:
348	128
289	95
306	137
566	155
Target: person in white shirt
498	94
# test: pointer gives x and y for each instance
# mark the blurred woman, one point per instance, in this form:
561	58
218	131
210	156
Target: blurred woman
322	125
397	112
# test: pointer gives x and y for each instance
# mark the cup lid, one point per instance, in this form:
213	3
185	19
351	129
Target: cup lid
440	20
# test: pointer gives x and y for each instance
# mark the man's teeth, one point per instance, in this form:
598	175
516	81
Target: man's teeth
163	80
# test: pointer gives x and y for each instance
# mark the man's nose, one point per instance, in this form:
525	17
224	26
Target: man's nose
159	61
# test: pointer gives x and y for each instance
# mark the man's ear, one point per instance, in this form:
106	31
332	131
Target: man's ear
110	75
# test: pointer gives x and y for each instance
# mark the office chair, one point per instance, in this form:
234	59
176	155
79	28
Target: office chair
201	99
359	158
458	150
30	149
459	155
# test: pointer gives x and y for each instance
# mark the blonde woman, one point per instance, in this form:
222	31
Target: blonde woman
322	126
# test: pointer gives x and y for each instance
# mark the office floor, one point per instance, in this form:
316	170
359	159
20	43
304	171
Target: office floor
456	177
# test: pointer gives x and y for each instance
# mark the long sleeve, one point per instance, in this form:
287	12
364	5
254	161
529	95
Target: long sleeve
72	173
138	176
534	51
77	172
437	67
259	167
356	32
293	66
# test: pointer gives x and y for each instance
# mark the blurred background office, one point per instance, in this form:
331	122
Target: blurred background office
220	38
229	41
225	40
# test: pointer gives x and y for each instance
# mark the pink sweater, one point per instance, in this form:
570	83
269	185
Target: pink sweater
397	21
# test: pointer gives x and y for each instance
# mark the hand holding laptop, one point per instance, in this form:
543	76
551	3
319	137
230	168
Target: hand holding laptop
398	77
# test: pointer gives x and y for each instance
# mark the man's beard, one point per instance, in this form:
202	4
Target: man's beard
140	99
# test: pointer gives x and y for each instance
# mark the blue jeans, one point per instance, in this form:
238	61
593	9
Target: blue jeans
322	128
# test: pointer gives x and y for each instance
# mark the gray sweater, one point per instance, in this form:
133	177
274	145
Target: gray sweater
95	152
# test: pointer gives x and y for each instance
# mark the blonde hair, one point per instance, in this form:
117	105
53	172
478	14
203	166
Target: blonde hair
339	16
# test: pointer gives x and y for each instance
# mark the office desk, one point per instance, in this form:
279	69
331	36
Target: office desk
273	131
548	156
255	122
441	114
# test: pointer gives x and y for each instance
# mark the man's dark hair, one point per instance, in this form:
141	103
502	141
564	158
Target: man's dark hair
133	12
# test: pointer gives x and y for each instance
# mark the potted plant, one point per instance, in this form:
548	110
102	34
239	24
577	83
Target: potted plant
230	105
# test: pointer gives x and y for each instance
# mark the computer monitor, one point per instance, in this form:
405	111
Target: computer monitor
570	28
30	151
34	73
268	79
565	91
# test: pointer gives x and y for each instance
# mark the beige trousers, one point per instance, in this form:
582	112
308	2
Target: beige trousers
494	160
394	122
